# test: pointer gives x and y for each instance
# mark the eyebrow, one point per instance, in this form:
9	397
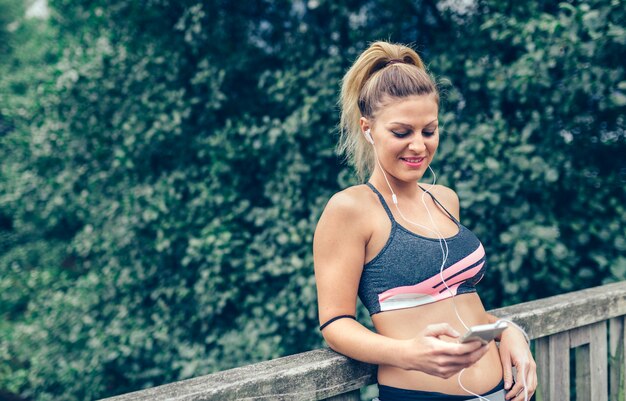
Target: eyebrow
410	126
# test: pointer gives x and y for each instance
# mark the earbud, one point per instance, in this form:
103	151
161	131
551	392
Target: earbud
368	136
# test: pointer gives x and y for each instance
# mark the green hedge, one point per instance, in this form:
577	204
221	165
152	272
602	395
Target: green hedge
165	163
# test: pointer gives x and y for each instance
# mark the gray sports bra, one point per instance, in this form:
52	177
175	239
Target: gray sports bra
406	272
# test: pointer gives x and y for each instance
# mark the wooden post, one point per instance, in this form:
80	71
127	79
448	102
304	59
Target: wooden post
559	346
591	352
598	362
617	360
579	340
583	373
542	358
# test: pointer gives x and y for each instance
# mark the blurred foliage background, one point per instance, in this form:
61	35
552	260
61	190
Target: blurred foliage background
164	164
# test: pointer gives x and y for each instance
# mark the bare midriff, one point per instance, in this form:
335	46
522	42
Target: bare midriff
410	322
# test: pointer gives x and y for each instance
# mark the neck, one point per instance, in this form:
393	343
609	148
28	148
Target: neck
402	189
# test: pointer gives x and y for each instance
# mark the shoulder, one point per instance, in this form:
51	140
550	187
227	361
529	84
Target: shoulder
350	203
348	209
341	236
444	193
448	198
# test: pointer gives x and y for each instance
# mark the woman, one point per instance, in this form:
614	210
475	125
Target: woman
401	248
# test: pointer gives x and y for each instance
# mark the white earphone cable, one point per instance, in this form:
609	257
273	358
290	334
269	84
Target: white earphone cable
443	279
445	251
442	241
441	238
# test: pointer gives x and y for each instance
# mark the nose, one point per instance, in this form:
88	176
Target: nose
417	144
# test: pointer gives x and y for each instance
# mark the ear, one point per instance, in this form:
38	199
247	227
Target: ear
365	124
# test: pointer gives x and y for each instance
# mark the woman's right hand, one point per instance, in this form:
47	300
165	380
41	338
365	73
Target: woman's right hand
430	354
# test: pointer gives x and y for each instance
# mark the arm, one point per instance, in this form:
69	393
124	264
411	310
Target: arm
339	251
515	351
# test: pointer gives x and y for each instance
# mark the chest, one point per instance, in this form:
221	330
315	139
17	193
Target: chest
409	258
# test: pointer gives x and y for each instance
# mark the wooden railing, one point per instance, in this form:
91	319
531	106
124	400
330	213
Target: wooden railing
589	322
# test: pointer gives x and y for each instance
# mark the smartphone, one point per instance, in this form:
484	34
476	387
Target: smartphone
484	332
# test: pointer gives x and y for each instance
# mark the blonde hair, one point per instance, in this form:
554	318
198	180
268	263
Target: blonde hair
384	71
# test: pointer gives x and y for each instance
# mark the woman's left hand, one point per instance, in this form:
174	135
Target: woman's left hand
515	351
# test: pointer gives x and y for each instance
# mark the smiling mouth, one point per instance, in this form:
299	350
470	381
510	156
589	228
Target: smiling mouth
413	160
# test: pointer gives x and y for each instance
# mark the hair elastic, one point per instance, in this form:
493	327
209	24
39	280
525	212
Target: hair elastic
394	61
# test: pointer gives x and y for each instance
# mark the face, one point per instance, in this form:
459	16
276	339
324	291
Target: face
406	136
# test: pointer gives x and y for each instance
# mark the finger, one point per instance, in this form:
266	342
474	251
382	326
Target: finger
507	374
521	396
479	353
464	349
441	329
515	391
524	394
463	361
518	387
467	359
531	380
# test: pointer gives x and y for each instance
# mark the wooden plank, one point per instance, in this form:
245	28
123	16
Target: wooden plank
310	376
616	354
590	344
583	373
542	358
579	336
622	386
567	311
579	340
598	352
320	374
559	367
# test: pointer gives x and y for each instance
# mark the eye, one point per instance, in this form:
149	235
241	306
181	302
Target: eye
400	134
428	133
